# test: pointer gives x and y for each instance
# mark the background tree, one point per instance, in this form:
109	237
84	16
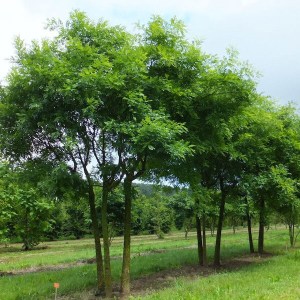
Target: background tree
182	203
267	146
25	210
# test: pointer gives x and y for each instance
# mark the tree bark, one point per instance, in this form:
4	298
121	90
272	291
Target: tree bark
204	240
125	277
199	240
261	226
186	233
217	255
105	233
292	234
249	225
96	231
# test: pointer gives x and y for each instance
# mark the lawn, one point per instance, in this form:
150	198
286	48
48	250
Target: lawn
275	278
72	251
150	255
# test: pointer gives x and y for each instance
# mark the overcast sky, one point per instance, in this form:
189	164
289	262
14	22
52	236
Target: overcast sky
265	32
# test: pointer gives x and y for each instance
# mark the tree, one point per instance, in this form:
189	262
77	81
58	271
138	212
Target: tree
57	102
198	89
182	204
268	143
81	99
24	207
76	218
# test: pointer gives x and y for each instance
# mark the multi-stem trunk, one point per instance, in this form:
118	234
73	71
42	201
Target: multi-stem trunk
249	225
125	277
217	256
199	240
261	226
96	231
106	243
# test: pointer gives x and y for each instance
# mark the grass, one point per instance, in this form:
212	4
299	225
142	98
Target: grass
63	252
39	285
178	252
277	278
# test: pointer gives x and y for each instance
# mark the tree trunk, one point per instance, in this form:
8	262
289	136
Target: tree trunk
105	233
186	233
96	231
249	225
125	277
204	240
292	234
212	227
199	240
217	255
261	226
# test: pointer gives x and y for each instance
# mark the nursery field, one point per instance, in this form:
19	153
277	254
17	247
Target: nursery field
161	269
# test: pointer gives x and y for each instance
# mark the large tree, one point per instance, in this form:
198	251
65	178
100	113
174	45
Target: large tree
216	91
268	142
82	98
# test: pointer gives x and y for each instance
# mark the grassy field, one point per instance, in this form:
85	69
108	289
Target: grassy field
150	256
276	278
64	252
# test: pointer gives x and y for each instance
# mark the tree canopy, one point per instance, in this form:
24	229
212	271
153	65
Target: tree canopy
99	106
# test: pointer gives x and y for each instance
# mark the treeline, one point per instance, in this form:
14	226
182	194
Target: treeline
29	214
109	107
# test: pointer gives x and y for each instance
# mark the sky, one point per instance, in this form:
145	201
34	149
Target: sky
265	32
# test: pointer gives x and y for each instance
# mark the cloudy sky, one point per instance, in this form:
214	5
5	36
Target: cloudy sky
265	32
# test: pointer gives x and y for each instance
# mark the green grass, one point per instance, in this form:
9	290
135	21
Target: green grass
80	278
61	252
277	278
64	252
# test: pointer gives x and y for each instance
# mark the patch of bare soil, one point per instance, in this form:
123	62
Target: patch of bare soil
42	269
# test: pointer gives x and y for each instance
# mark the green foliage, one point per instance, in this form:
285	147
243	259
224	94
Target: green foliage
76	220
27	213
98	105
235	212
152	214
182	204
32	215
